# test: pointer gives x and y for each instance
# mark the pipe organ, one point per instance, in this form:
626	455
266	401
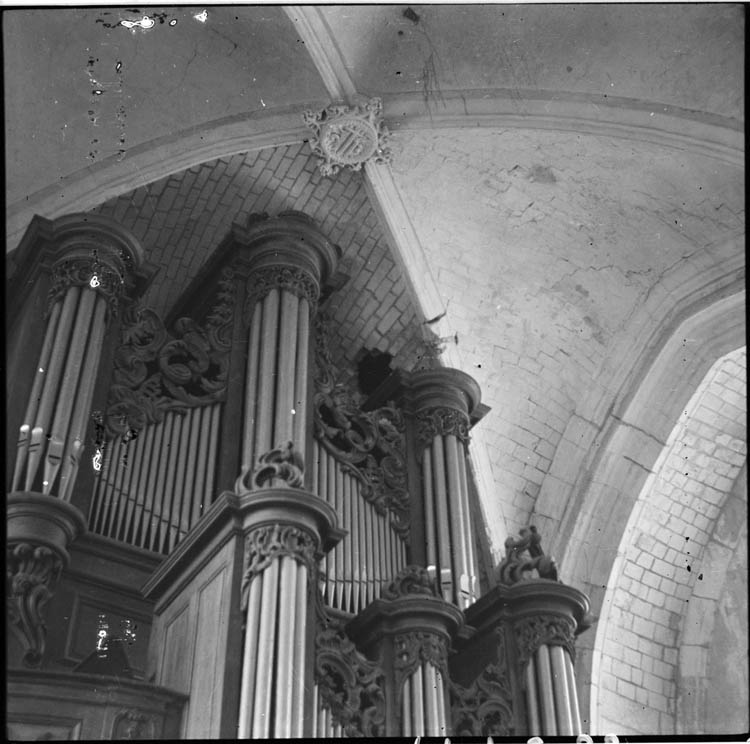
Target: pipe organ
319	570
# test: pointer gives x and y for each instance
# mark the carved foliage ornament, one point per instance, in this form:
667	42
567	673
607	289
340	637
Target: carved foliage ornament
133	724
281	466
348	136
441	421
409	581
485	708
268	542
156	371
415	648
350	685
536	630
370	445
292	279
516	567
88	271
31	576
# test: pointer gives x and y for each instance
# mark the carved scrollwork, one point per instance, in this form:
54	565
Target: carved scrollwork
350	685
441	421
32	572
86	271
156	372
369	444
348	136
134	724
270	541
534	631
412	580
516	567
292	279
415	648
281	464
484	708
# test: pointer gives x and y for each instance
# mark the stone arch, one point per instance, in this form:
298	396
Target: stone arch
651	402
624	118
712	687
661	571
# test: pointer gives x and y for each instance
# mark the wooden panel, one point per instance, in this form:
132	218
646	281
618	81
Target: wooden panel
49	728
176	666
208	662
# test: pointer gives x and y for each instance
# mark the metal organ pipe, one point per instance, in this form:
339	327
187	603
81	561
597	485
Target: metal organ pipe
58	442
40	376
469	532
50	388
546	695
287	343
532	699
560	690
264	418
251	388
575	710
300	382
429	509
443	520
250	655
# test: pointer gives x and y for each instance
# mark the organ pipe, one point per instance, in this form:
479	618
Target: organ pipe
546	694
443	400
288	260
575	710
92	260
560	690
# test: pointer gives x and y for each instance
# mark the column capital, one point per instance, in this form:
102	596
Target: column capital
540	611
288	251
411	612
443	401
81	250
444	387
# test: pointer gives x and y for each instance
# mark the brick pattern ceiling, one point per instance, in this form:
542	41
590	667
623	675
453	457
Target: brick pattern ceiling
181	219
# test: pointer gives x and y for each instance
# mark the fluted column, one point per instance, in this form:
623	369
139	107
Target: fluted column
409	631
288	262
88	262
546	616
443	401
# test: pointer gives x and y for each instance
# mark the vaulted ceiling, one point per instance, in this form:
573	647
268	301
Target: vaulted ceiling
566	186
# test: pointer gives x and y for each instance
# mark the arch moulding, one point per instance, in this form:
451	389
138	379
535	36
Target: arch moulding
630	443
705	135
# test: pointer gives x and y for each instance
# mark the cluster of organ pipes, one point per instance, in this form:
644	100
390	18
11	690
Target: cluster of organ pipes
353	573
323	726
423	703
153	488
53	431
275	649
551	697
276	389
449	537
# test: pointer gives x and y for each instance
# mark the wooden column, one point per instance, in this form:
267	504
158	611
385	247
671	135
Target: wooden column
546	616
409	631
443	400
87	263
288	261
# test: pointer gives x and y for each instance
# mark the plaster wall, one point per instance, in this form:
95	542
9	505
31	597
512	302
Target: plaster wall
579	247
